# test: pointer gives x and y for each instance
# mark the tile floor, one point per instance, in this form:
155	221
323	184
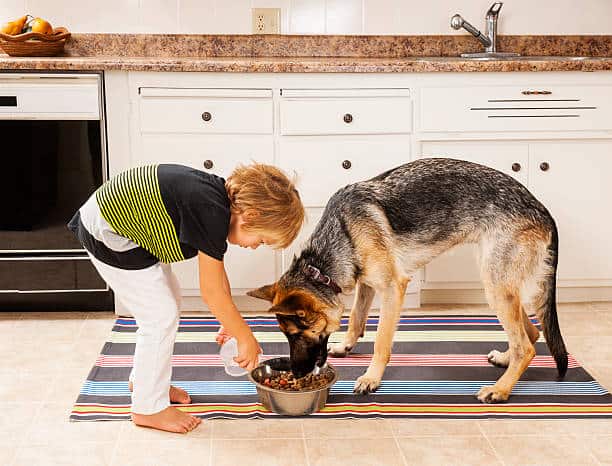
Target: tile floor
46	356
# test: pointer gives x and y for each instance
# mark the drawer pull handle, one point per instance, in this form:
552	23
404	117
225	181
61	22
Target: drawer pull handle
348	117
544	166
347	164
516	167
206	116
208	164
536	92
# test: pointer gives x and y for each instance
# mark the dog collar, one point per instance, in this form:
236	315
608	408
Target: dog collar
317	276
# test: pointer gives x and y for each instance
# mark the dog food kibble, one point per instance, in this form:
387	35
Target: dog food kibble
286	381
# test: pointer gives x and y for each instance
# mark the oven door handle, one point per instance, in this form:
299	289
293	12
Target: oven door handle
8	101
23	257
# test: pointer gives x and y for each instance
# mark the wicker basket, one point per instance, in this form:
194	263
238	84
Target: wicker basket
35	44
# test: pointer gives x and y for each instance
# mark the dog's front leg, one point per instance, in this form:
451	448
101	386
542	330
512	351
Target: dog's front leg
390	308
364	295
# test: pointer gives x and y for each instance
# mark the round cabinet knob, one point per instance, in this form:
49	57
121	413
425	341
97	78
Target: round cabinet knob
206	116
516	167
544	166
208	164
347	164
348	118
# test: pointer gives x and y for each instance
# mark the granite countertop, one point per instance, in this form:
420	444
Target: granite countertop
318	54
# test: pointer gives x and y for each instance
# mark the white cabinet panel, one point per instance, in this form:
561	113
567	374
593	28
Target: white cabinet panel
209	111
379	114
246	269
577	190
197	150
513	108
324	165
459	264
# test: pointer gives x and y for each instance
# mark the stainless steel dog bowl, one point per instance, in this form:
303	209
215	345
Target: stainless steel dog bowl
286	402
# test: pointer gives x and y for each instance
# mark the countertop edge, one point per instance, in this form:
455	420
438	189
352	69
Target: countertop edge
302	65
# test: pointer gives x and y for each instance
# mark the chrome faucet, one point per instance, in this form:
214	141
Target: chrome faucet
488	39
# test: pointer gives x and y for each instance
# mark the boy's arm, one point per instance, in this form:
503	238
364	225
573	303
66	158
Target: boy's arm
226	282
223	335
215	291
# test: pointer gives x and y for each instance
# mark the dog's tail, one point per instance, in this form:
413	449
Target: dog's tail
548	312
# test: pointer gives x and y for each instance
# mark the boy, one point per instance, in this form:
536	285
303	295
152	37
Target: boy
141	220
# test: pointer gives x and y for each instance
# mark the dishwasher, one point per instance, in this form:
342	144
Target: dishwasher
53	146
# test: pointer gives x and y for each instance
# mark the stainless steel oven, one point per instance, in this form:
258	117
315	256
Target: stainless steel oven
53	148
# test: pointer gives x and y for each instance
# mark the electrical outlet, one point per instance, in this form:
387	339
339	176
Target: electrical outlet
266	20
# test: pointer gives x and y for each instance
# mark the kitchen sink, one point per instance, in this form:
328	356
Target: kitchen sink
527	58
512	58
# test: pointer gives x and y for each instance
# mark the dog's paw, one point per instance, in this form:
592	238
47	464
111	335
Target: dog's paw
492	394
499	359
365	385
338	350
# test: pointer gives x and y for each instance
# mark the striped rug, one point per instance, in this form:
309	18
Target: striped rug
438	364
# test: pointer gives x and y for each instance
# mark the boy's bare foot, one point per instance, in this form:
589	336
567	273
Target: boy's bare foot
170	419
177	395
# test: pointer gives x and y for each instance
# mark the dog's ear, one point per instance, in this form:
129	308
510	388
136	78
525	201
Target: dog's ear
266	292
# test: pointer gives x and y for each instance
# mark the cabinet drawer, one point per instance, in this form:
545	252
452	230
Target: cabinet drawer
215	154
513	108
323	166
209	111
358	111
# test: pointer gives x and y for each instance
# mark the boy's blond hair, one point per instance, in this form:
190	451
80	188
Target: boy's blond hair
269	200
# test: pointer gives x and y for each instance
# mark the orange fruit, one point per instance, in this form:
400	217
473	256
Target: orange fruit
40	25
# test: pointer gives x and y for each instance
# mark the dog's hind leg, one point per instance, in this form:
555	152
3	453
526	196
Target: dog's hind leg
520	348
364	295
391	305
499	359
508	260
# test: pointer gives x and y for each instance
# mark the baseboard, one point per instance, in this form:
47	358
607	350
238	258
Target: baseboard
250	305
476	296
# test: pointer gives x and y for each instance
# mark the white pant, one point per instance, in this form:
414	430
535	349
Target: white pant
152	296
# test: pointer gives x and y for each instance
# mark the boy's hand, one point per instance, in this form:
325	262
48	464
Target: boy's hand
222	336
248	353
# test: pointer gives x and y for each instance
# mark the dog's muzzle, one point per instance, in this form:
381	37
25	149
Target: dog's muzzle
306	353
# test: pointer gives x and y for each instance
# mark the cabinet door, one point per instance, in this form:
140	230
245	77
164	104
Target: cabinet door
324	165
246	268
575	187
459	264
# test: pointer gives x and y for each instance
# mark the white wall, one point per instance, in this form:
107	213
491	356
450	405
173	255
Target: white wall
315	16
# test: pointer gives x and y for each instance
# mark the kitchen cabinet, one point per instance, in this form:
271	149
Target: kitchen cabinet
334	129
570	178
212	130
573	180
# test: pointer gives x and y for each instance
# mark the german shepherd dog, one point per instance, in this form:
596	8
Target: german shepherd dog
375	234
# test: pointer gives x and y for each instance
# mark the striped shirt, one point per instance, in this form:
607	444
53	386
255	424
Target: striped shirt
170	211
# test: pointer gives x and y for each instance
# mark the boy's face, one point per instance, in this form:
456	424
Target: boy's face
238	236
